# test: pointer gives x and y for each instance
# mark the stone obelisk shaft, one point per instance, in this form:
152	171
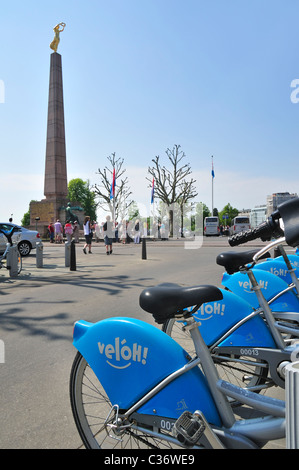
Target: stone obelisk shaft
55	187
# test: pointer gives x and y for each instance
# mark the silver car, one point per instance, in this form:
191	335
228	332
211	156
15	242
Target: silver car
24	238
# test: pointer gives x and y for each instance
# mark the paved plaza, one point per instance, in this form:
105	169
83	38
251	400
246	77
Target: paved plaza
37	313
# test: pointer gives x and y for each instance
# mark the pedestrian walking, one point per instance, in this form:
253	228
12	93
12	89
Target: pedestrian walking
108	235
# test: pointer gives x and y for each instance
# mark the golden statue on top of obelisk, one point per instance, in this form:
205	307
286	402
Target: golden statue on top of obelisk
57	30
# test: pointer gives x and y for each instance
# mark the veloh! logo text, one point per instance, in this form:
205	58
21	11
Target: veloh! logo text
247	286
209	310
120	356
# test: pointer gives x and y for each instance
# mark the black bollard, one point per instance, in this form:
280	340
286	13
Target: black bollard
73	257
143	248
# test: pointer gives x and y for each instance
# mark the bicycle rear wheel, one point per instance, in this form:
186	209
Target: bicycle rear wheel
91	408
240	371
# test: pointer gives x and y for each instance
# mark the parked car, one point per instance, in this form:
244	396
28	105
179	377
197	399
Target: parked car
24	238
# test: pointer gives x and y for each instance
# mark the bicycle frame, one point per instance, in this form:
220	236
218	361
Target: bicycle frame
232	328
4	255
284	266
12	258
155	393
248	335
150	379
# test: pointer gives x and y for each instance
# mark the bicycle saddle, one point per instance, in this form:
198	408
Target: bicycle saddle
167	299
289	212
233	260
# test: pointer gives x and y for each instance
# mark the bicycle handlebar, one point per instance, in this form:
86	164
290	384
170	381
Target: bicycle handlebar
265	231
8	235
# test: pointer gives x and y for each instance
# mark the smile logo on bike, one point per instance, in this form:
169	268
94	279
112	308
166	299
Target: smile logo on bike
120	356
247	286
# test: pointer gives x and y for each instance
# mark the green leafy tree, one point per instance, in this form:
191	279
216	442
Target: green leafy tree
228	211
79	192
26	219
133	212
201	211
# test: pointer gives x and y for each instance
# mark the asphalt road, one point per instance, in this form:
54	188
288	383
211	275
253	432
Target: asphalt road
39	308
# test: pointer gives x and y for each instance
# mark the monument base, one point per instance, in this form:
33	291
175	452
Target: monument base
47	211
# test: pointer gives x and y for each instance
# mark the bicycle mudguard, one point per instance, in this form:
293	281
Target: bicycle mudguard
130	357
271	285
278	267
216	318
294	260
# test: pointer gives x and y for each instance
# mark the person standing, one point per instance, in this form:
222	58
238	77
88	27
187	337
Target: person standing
68	230
58	231
51	232
87	234
108	235
137	232
122	230
76	232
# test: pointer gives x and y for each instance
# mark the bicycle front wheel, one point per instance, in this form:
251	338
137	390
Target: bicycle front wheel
91	408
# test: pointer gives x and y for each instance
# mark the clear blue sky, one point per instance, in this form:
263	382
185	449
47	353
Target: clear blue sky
142	75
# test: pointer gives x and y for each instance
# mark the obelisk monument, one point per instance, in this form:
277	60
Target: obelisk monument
55	170
55	187
55	182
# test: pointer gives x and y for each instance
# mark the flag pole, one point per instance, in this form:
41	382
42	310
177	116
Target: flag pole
213	175
112	194
114	197
153	203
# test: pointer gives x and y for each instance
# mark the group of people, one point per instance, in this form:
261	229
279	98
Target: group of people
108	230
125	229
70	230
89	226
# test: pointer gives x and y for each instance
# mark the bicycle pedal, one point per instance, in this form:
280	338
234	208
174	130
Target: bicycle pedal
189	428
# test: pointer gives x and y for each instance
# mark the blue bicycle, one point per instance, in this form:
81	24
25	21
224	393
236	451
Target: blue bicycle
133	385
5	257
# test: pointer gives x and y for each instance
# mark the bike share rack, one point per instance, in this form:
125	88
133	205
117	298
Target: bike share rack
292	405
12	260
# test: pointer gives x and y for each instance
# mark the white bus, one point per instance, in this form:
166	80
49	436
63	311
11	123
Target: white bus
239	224
211	226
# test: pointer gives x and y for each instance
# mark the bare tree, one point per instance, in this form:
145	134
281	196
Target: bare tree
171	185
119	204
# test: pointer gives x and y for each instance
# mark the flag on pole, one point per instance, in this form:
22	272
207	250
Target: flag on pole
153	191
112	189
213	174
